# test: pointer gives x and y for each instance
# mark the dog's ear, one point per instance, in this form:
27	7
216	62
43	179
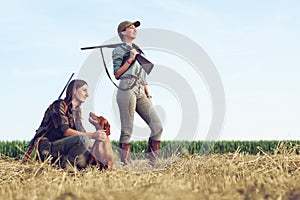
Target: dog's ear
105	125
101	122
107	128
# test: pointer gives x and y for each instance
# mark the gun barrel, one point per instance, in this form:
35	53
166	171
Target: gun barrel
66	86
103	46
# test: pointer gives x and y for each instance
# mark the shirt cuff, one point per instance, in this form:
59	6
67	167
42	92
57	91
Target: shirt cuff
63	128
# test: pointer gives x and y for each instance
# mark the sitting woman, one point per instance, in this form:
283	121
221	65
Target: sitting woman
61	133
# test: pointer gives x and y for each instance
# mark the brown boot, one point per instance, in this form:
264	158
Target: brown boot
152	151
125	153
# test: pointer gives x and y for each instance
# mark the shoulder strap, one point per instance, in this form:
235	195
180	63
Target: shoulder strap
66	106
106	70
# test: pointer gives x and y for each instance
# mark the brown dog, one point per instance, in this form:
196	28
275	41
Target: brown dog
101	151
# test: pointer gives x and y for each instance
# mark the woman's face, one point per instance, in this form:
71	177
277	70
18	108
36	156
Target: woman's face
130	32
81	94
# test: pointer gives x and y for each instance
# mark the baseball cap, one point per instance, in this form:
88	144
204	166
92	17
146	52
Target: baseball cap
123	25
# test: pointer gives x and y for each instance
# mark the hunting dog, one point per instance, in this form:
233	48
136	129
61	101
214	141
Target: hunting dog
101	151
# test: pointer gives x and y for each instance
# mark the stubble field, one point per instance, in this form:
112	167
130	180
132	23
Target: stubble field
214	176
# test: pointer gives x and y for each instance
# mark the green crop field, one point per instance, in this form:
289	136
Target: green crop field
16	149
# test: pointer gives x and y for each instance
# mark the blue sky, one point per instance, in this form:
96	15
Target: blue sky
253	44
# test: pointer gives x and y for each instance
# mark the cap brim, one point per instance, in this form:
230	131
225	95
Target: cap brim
137	23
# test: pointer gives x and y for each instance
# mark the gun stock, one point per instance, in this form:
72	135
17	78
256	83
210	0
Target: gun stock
146	64
27	154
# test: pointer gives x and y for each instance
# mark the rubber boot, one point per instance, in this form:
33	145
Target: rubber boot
152	151
125	153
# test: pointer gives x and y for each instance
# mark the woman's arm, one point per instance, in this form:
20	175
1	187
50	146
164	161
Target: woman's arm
60	120
98	135
147	92
126	65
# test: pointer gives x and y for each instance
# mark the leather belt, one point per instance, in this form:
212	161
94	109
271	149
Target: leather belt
133	78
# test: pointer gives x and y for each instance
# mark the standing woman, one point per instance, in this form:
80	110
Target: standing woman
138	99
62	131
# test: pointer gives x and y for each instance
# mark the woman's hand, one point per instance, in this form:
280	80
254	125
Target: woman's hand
149	97
133	53
100	135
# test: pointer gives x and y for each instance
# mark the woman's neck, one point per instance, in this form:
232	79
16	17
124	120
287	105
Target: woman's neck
75	104
128	41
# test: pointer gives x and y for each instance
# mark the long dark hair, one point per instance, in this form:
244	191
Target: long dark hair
74	84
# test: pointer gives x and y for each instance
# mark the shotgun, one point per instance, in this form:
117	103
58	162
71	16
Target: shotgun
146	64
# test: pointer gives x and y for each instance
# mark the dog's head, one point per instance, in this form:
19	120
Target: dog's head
100	123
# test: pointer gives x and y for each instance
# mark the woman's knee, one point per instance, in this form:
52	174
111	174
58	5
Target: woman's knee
157	133
78	140
84	140
125	137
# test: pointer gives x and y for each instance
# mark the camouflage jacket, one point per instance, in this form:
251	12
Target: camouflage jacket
58	118
120	55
